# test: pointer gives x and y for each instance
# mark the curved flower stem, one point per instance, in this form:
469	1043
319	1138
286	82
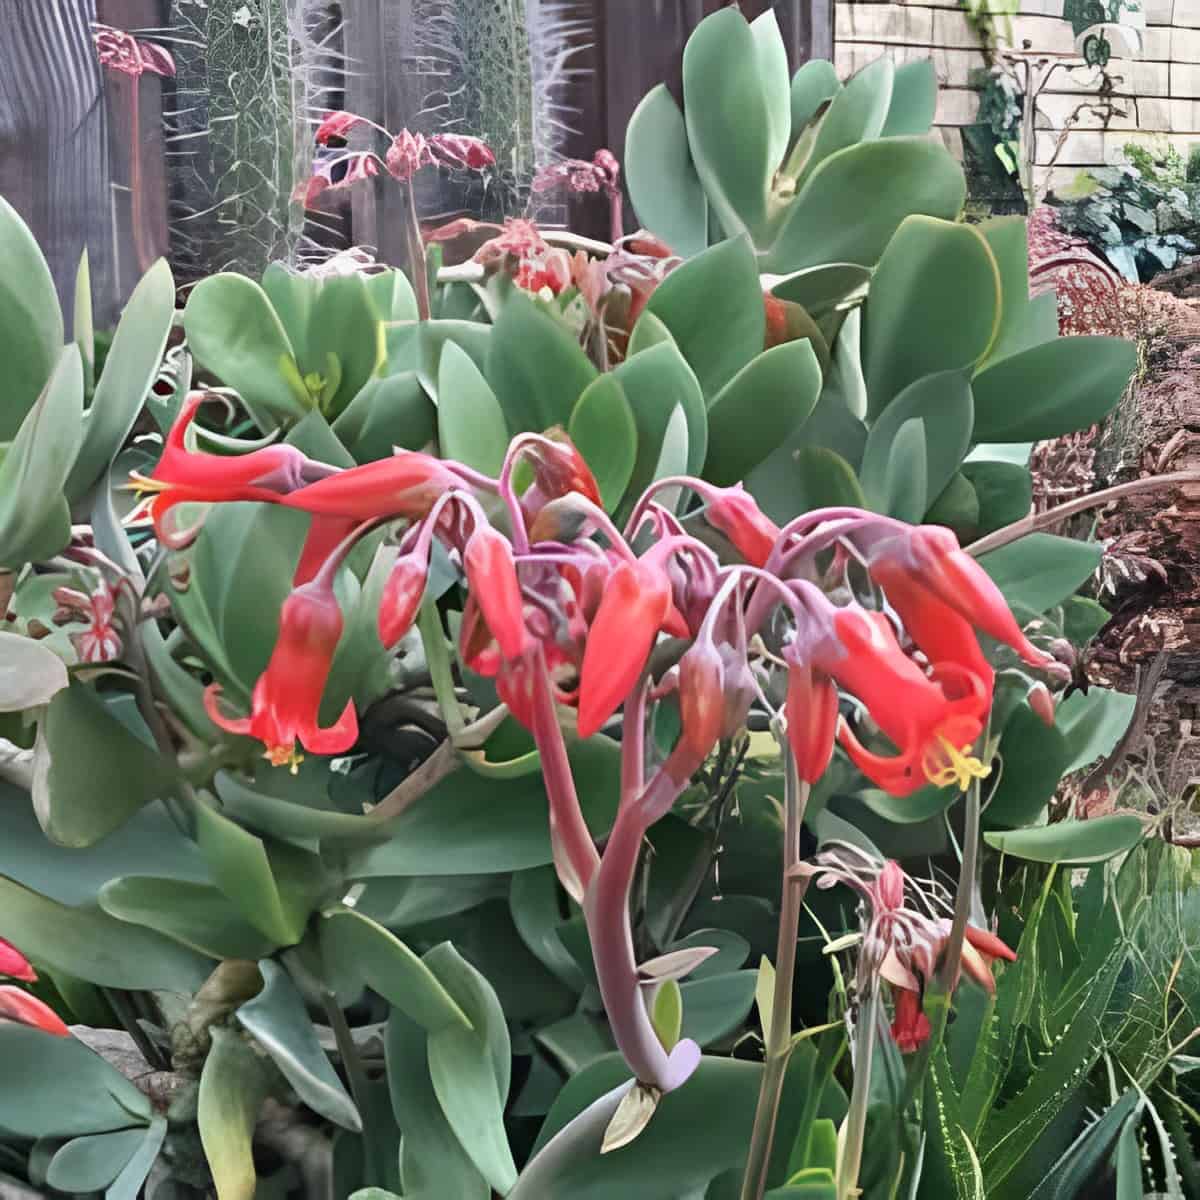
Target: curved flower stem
356	1076
1036	521
429	625
779	1035
856	1118
416	255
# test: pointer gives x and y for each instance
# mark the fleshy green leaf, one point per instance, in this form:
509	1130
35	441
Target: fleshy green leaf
934	306
941	406
90	1164
604	431
432	1159
56	1087
914	100
1054	388
195	914
729	128
901	487
361	947
1071	842
468	823
470	1067
759	408
666	191
807	477
31	326
1004	491
128	1185
1041	570
388	412
819	288
234	332
30	674
129	370
1035	758
853	203
94	946
857	113
35	521
715	1006
814	83
232	1088
471	427
278	1021
535	366
1092	724
274	887
771	56
713	306
344	324
91	773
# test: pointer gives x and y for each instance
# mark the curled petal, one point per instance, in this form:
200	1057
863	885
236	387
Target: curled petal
18	1005
989	944
460	150
911	1026
336	125
492	576
14	964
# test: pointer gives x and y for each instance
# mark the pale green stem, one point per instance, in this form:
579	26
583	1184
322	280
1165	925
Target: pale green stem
856	1118
437	657
779	1035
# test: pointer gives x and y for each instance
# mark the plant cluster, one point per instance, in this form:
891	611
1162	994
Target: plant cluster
1141	214
585	724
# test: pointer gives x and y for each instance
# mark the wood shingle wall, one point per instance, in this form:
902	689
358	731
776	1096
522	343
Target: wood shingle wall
1159	90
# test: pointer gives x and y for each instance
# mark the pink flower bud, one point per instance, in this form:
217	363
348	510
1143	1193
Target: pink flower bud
1042	703
402	598
407	154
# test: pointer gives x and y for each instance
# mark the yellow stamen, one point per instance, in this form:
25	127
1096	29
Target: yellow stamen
284	756
139	484
951	765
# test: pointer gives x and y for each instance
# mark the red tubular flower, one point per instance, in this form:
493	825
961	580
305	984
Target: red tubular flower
635	603
812	718
287	697
184	476
558	470
14	964
492	578
911	1026
336	125
460	150
928	566
701	704
405	485
933	719
733	511
402	597
20	1006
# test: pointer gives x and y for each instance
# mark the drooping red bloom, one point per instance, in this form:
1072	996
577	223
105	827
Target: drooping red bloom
286	701
336	125
558	470
812	719
407	154
933	719
402	595
635	603
927	571
14	964
460	150
122	52
405	485
18	1005
492	577
186	476
734	512
910	1028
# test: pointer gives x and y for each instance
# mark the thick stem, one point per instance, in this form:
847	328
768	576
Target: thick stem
136	206
1036	521
356	1076
633	744
416	255
779	1035
856	1118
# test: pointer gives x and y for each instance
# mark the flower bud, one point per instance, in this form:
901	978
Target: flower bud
402	597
